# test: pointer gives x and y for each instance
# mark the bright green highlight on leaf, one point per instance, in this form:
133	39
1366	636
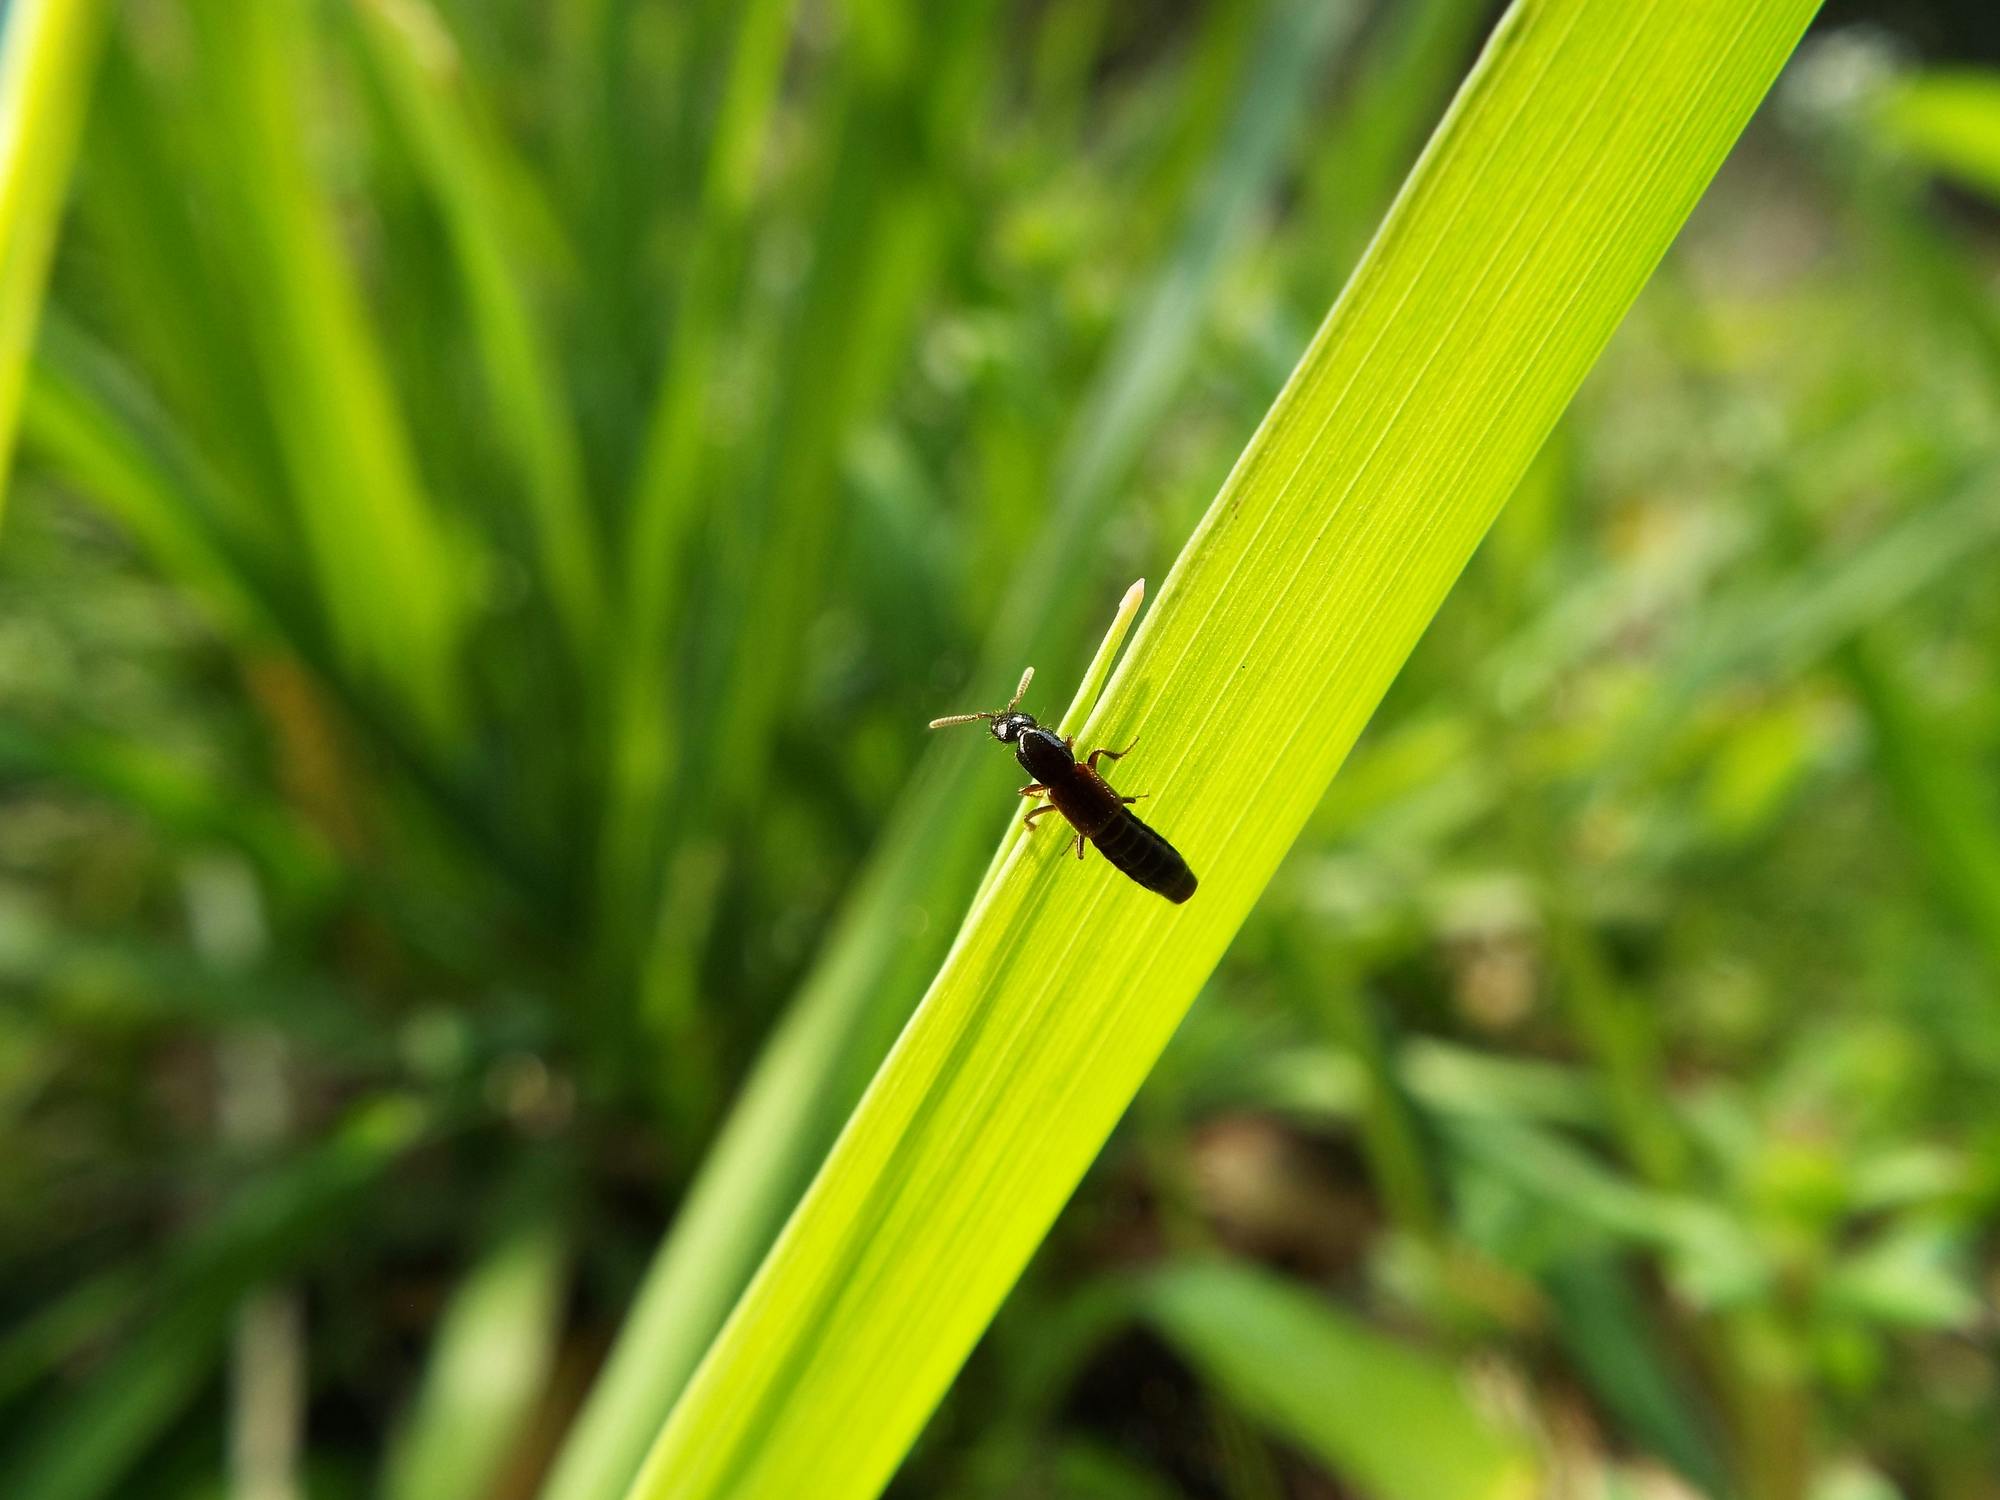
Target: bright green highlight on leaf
1578	147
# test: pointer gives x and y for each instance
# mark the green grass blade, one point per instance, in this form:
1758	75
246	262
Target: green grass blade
57	1329
1352	1397
664	493
85	1442
47	51
1783	629
1564	169
467	170
1945	803
1706	1247
89	1444
1949	121
89	423
392	585
495	1345
665	502
68	417
875	258
172	317
1607	1328
182	801
873	263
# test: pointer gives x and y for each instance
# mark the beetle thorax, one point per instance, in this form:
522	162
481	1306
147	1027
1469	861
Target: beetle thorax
1043	755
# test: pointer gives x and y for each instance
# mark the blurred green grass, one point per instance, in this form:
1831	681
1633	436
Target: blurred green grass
539	471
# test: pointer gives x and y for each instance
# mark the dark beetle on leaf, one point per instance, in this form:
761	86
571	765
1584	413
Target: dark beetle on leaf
1074	789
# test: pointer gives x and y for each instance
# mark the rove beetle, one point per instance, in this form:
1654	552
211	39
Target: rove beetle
1075	790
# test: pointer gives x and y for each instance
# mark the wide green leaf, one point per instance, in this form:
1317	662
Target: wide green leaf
1574	153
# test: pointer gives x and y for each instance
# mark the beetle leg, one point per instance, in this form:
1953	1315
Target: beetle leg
1033	789
1128	801
1091	761
1079	846
1028	820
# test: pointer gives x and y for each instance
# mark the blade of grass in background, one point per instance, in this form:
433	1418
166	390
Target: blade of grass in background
48	49
172	315
465	166
608	171
191	806
1946	803
489	1363
890	934
1396	99
1350	1396
1704	1243
906	91
1785	628
72	418
84	1442
88	423
1577	149
1949	121
86	1447
61	1329
392	586
665	500
1606	1325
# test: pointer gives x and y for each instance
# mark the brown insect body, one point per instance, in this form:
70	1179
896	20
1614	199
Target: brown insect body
1094	809
1097	812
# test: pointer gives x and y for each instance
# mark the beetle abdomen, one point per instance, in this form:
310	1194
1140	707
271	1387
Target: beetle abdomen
1093	810
1142	854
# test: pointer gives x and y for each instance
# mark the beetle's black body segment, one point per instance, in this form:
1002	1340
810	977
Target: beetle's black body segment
1093	809
1041	753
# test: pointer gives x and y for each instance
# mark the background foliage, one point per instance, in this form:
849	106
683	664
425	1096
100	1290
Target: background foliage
389	955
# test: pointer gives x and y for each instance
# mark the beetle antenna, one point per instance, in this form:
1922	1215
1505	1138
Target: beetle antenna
1021	691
